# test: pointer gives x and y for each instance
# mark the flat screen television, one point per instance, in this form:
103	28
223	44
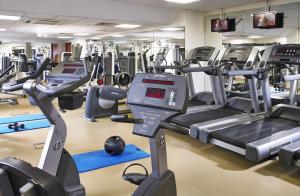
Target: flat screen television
268	20
223	25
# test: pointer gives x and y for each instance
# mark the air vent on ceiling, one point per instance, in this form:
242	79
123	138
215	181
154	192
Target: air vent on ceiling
47	21
106	24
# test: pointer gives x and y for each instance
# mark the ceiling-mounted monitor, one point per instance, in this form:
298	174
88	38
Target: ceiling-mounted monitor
268	20
223	25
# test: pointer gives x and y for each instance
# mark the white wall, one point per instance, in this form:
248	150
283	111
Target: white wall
293	37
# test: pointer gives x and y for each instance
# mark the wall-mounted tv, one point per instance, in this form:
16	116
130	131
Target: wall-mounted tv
223	25
268	20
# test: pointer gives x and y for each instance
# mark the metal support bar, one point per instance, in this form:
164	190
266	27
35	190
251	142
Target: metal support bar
158	155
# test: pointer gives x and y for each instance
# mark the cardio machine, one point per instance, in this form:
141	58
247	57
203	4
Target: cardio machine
201	57
56	173
154	98
240	57
264	137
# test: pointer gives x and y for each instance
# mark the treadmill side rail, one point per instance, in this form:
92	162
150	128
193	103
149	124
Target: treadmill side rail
268	146
286	155
203	108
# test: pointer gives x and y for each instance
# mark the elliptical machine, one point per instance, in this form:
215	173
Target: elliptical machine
154	99
56	174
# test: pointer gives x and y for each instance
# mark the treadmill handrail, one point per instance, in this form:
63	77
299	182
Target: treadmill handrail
240	73
198	69
289	78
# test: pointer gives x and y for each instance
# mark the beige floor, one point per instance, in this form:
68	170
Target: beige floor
200	169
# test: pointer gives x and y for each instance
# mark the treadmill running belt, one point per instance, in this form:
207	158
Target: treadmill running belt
186	120
242	134
297	154
196	103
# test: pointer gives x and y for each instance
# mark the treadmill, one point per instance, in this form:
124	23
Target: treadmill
229	58
279	126
199	58
289	156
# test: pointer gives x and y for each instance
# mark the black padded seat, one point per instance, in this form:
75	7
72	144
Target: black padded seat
242	134
186	120
297	154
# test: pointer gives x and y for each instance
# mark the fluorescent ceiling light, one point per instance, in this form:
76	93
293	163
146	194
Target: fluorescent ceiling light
182	1
118	35
171	29
255	37
81	34
64	37
5	41
127	26
6	17
2	29
178	37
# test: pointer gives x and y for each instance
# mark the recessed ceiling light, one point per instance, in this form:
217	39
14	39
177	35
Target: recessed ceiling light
182	1
6	17
64	37
81	34
2	29
118	35
127	26
171	29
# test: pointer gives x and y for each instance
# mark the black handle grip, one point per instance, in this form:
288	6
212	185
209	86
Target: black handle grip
125	119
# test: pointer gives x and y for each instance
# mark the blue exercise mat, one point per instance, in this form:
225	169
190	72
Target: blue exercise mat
21	118
99	159
29	125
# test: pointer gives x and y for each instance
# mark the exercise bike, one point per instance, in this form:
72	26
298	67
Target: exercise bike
153	100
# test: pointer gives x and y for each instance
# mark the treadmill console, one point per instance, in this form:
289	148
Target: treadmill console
237	54
155	98
202	53
285	54
68	70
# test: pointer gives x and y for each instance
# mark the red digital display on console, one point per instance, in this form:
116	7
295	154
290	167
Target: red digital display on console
163	82
156	93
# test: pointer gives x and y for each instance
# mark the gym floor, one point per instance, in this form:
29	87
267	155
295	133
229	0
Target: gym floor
200	169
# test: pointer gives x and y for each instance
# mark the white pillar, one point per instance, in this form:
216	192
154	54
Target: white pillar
194	29
195	37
